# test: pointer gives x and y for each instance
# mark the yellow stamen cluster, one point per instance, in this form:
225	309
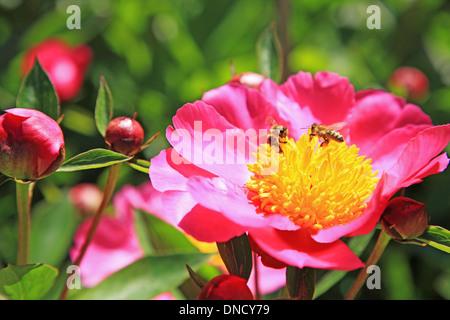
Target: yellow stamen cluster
315	186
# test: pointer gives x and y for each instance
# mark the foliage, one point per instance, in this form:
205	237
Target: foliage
158	55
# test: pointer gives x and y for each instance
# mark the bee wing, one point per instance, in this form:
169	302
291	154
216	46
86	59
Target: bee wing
338	125
270	121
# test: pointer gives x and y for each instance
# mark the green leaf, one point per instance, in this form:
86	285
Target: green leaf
269	54
195	277
140	165
161	236
145	278
103	107
53	225
436	237
398	275
37	92
92	159
147	143
27	282
301	282
236	254
357	245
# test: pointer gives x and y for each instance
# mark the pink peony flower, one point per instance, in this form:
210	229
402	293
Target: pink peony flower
65	66
410	83
86	197
31	144
114	245
269	279
216	184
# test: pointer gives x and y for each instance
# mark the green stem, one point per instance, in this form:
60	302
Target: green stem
283	13
114	171
381	244
107	194
23	196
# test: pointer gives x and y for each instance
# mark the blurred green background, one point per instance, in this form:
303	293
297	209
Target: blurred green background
158	55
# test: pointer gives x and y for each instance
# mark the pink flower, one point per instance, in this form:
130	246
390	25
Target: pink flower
86	197
65	66
269	279
114	245
213	186
31	144
410	83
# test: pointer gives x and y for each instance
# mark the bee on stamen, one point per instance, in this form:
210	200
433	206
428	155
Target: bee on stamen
277	135
326	133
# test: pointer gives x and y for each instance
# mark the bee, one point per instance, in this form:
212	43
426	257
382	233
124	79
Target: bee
326	133
277	134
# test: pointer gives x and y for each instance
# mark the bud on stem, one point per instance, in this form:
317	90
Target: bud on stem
226	287
124	135
404	219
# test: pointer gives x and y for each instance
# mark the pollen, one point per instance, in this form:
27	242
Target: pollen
315	186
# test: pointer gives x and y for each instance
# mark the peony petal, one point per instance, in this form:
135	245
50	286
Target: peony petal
329	96
169	171
269	279
176	205
412	114
209	226
386	150
418	159
46	52
169	206
221	195
113	247
297	248
40	127
287	112
377	114
416	162
35	130
82	55
241	106
145	198
208	140
65	66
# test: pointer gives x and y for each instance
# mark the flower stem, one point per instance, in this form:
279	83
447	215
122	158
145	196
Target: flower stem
114	171
381	244
255	266
23	196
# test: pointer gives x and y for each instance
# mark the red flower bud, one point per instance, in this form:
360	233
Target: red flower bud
124	135
404	218
31	144
226	287
86	197
410	83
248	79
65	66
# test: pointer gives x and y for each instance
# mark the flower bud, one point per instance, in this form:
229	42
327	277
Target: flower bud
86	197
66	66
410	83
404	219
124	135
31	144
226	287
249	79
